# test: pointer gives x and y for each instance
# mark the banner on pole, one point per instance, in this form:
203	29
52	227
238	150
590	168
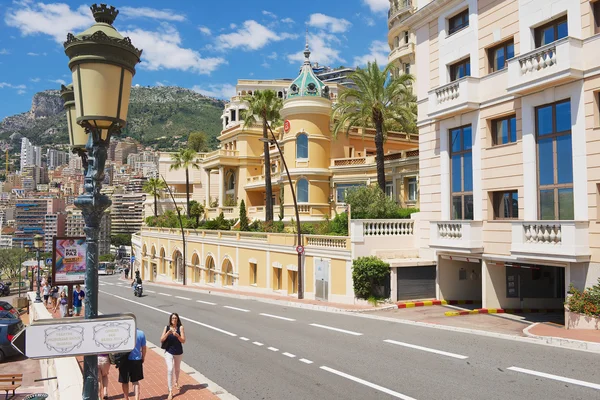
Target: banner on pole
68	259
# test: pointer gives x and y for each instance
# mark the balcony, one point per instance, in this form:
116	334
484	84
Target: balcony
455	97
551	240
457	236
400	10
258	181
406	49
371	160
547	66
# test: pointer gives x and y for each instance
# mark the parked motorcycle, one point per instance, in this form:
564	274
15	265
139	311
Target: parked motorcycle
5	289
138	290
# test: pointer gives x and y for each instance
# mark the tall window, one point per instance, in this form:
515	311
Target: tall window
555	161
302	146
253	273
405	37
596	12
302	190
504	130
411	183
461	165
460	69
407	68
342	190
459	21
506	204
551	32
389	190
499	55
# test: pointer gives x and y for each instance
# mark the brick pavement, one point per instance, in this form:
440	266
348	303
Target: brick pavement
553	330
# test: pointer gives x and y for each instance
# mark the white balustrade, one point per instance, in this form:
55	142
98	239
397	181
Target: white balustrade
543	233
449	230
551	240
304	208
326	241
388	228
539	60
459	236
447	93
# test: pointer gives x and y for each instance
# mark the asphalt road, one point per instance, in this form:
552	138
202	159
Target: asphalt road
262	351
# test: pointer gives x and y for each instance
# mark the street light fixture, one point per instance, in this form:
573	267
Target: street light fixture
298	226
102	63
77	135
38	243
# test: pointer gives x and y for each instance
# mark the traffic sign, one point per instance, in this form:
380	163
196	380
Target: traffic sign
286	126
77	336
300	249
48	261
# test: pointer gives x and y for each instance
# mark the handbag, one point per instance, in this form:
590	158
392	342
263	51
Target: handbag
164	345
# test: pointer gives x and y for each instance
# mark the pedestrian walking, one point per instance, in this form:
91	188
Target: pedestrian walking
172	340
63	304
55	295
46	293
103	370
126	272
78	296
132	369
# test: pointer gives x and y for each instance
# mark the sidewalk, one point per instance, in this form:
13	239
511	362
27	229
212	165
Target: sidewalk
558	331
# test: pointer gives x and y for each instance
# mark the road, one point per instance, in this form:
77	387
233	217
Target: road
259	351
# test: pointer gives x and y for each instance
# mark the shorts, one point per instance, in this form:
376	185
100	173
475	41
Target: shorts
131	371
77	310
46	297
55	295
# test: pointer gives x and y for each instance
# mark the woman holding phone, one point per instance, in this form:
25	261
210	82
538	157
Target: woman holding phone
172	340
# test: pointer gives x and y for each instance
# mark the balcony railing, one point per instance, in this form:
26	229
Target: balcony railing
375	227
400	7
455	97
551	240
461	236
327	241
371	160
555	63
402	51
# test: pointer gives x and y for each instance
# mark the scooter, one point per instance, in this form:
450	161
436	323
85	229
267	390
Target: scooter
138	290
5	289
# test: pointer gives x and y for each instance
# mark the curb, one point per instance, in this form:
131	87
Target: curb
476	311
532	310
197	376
564	342
411	304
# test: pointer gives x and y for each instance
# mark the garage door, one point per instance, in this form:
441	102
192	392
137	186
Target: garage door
416	283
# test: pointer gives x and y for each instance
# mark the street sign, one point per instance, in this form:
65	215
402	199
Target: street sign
300	249
286	126
48	261
77	336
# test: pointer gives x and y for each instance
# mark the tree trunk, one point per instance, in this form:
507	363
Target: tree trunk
187	190
268	188
155	206
379	147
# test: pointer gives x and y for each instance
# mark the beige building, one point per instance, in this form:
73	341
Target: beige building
508	97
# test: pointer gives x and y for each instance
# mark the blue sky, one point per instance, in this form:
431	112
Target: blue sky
205	45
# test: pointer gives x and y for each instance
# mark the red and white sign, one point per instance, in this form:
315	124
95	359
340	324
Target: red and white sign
300	249
286	126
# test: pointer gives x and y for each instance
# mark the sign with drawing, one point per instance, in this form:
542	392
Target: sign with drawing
69	260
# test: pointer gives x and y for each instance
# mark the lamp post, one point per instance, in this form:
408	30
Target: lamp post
38	243
298	227
102	63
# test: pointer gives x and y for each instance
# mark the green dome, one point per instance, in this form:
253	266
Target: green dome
307	84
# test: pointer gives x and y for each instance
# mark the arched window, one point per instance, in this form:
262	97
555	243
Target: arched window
302	146
302	191
231	182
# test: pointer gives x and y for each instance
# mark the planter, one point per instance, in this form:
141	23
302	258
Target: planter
574	320
20	302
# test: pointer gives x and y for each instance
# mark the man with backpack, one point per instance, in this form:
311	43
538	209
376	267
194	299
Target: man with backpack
130	366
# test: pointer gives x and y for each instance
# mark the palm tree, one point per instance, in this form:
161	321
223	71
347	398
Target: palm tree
380	101
185	158
154	187
264	107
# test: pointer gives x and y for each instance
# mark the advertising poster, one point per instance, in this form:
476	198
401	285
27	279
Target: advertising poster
69	260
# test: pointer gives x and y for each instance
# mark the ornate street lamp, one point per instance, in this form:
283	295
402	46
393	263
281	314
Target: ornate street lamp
77	135
102	63
38	243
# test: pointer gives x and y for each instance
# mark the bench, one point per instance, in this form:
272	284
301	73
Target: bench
10	382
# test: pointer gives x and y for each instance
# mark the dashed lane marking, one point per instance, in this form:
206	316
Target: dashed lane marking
273	348
336	329
556	377
427	349
206	302
305	361
237	309
277	317
257	343
290	355
367	383
182	298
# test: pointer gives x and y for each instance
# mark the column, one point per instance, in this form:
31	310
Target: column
221	186
207	190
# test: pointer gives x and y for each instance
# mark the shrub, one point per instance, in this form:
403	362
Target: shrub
243	217
369	202
367	274
586	302
218	224
274	227
339	225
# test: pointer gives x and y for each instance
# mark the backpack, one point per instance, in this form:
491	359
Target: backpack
117	358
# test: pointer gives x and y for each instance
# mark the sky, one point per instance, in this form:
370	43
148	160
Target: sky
203	45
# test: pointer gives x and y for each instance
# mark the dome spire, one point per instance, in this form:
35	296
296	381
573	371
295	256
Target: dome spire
306	50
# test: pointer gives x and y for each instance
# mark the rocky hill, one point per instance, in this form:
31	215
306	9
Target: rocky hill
161	117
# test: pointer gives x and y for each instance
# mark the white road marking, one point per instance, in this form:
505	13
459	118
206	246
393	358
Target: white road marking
111	284
245	339
272	348
337	329
150	291
165	294
414	346
290	355
235	308
277	316
102	284
556	377
369	384
257	343
214	328
206	302
183	298
305	361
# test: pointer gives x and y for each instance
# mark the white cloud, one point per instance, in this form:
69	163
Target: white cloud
4	52
322	50
59	81
331	24
35	80
369	21
377	6
232	25
162	50
147	12
159	83
252	36
55	19
205	30
378	51
269	14
272	56
21	91
288	21
220	91
265	65
37	54
11	86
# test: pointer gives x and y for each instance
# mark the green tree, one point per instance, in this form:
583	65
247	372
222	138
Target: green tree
264	107
106	258
367	274
154	187
196	211
10	262
185	158
368	202
120	239
198	141
243	217
380	101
